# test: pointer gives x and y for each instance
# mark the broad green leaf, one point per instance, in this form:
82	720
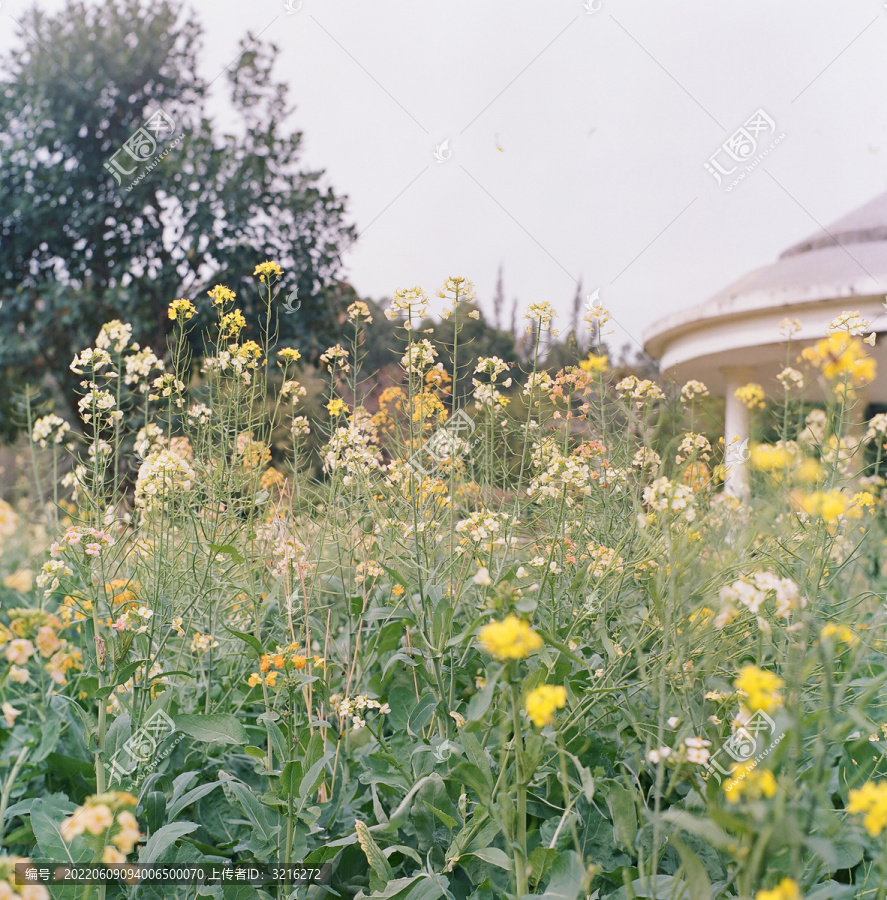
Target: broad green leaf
228	550
219	728
165	837
695	876
624	813
249	639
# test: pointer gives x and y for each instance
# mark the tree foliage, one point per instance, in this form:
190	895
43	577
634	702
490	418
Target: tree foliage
77	249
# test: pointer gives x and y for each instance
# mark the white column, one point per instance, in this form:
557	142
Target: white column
736	432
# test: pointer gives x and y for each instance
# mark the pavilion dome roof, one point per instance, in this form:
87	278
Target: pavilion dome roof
843	266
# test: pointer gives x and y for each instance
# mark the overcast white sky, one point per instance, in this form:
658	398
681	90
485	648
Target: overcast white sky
605	121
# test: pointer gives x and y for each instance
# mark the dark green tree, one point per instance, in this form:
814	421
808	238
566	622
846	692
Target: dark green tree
77	249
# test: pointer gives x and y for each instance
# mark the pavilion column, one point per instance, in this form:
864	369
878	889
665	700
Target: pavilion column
736	432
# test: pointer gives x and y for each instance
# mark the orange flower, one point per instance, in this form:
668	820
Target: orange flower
299	661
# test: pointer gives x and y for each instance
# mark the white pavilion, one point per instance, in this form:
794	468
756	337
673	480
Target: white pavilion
734	338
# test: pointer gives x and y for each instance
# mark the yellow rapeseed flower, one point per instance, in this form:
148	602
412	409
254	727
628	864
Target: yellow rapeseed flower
841	356
785	890
220	295
336	407
266	269
870	800
837	633
181	308
751	395
770	458
542	702
594	363
750	782
760	687
511	638
828	505
810	470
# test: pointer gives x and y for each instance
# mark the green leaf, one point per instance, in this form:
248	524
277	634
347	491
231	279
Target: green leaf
190	797
165	837
124	674
704	828
480	702
375	856
567	880
48	739
250	639
449	821
229	550
421	713
494	856
624	813
694	871
219	728
419	887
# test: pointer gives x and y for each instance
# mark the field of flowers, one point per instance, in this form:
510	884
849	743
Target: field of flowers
513	644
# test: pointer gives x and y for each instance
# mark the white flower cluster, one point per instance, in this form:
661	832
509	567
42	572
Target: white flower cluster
790	378
336	357
751	591
695	445
596	315
604	561
555	472
91	540
418	357
646	458
135	620
663	496
351	448
877	427
483	525
149	439
292	390
541	380
286	553
849	323
114	335
640	390
91	359
354	708
139	365
199	414
52	570
367	570
542	313
96	401
412	301
693	389
161	474
817	424
240	359
48	429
